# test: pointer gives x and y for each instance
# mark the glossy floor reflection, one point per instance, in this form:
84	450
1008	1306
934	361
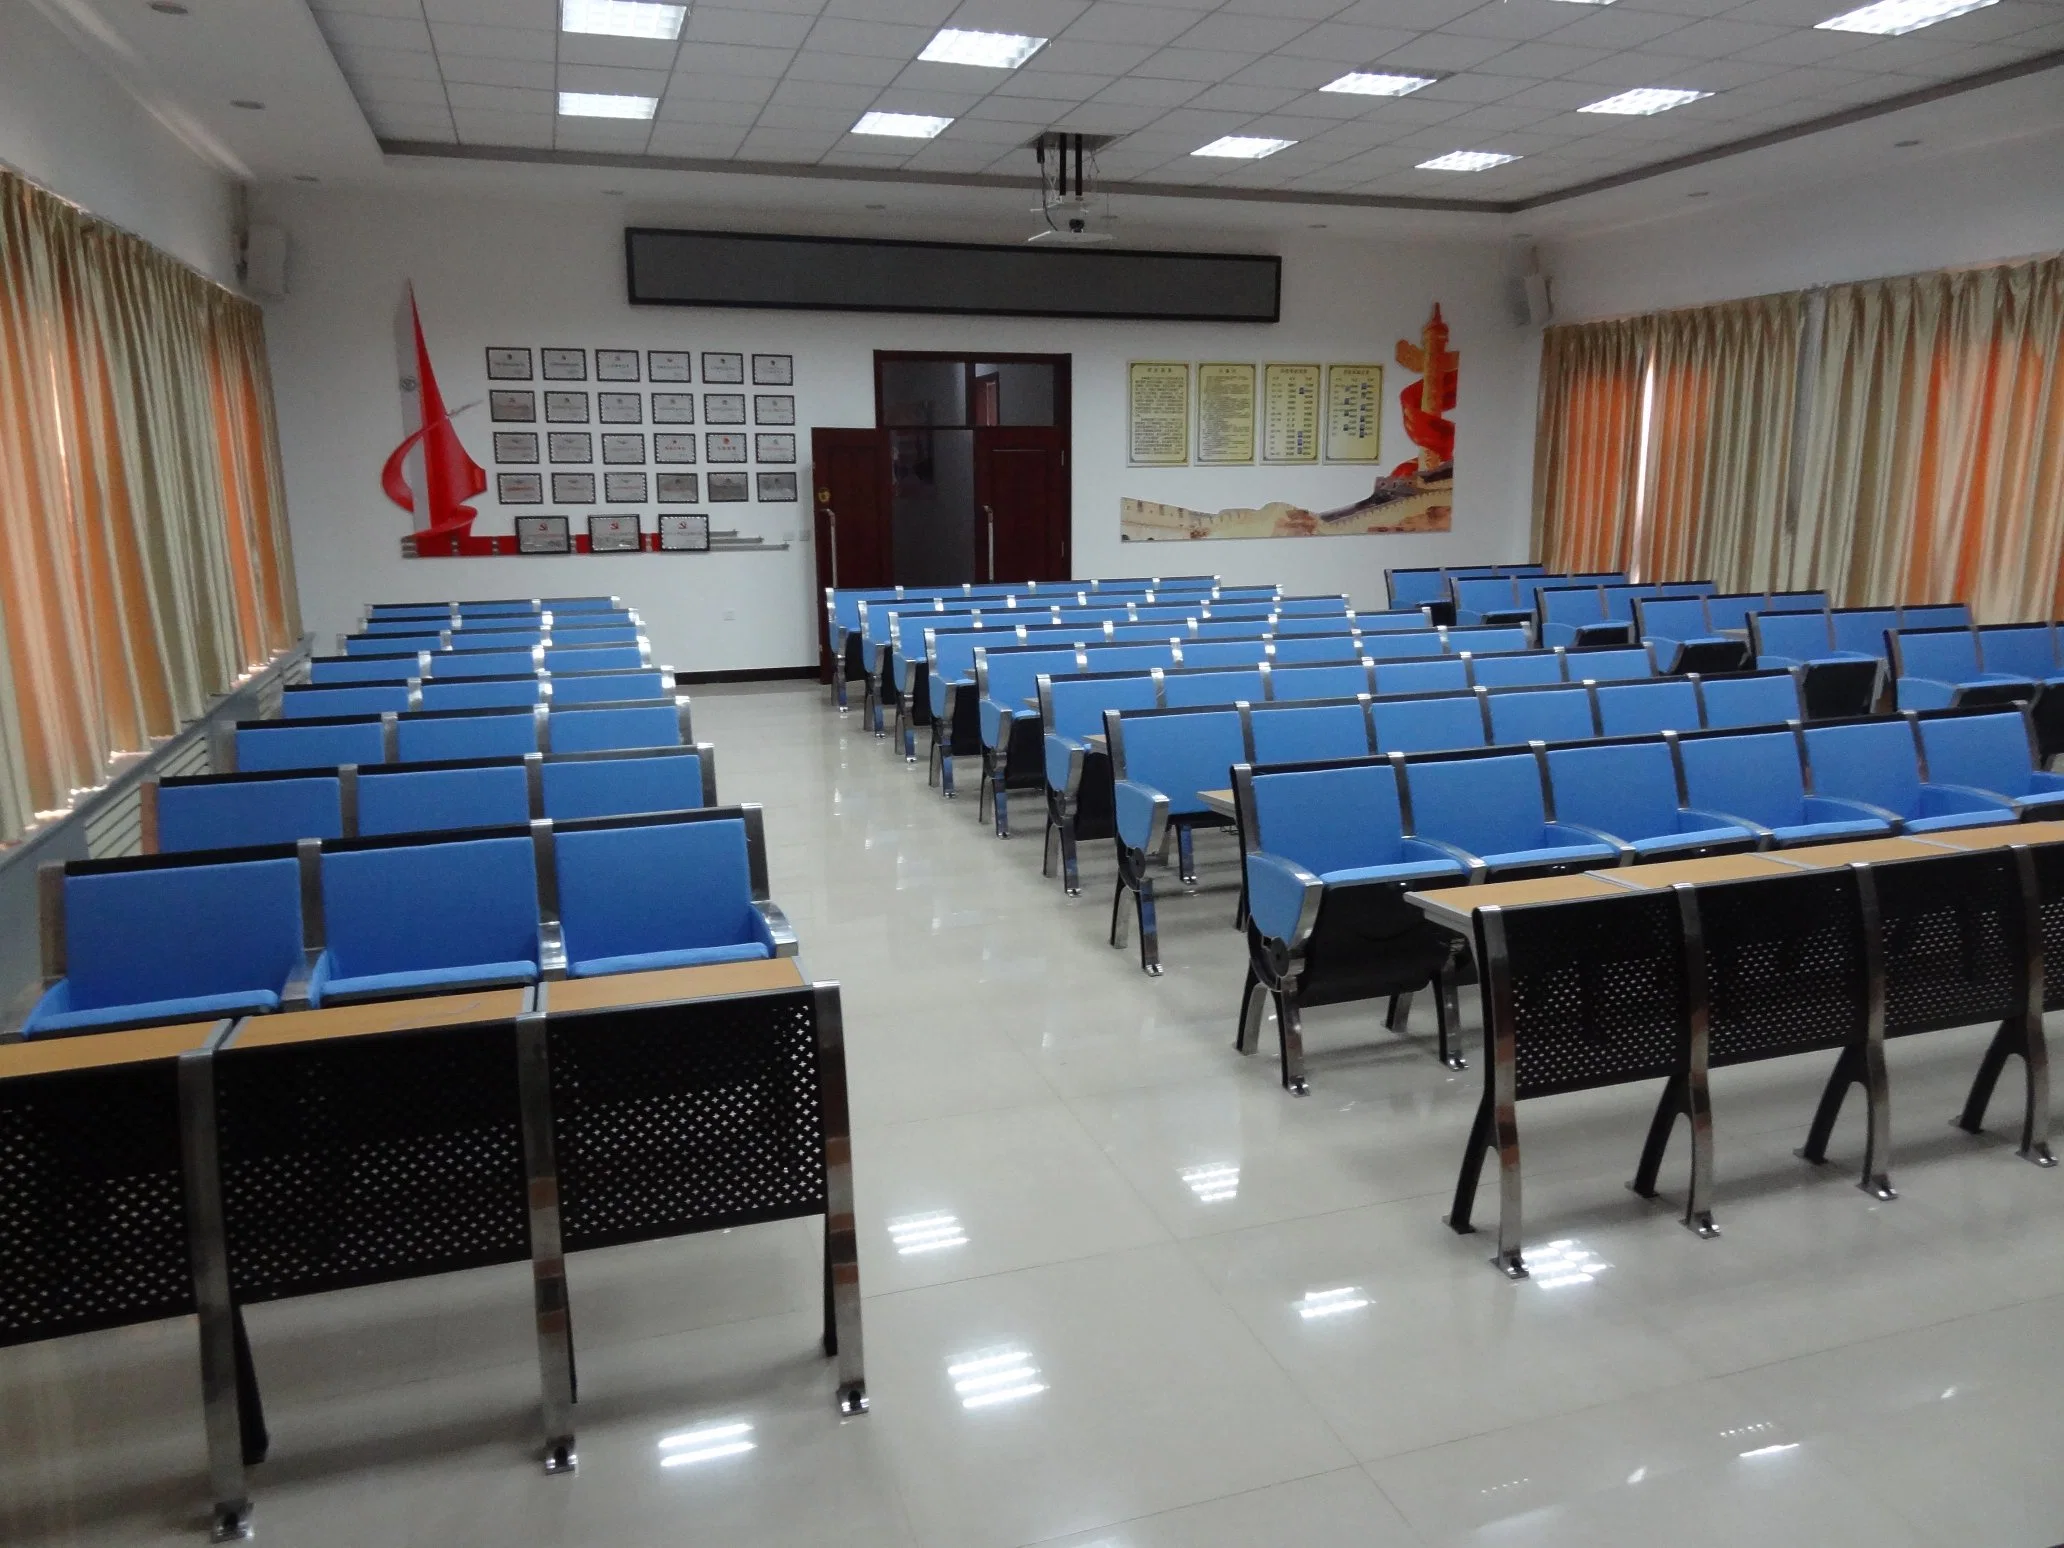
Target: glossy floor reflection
1124	1293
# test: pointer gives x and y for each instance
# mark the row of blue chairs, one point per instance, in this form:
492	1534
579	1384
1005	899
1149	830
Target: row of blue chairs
501	642
424	737
444	666
305	701
495	607
1432	585
1515	598
175	938
1990	664
243	811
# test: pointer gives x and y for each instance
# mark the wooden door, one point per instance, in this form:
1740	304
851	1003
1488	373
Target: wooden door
847	472
1021	499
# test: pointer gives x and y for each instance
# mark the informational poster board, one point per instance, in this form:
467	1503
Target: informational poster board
1158	413
1225	413
1354	413
1290	413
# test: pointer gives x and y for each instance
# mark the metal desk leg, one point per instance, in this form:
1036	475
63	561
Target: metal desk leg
230	1501
547	1252
842	1336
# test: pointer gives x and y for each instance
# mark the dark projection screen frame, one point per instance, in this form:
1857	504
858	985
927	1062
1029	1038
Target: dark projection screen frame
842	274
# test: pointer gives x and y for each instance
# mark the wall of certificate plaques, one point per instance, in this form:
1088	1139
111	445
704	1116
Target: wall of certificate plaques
635	445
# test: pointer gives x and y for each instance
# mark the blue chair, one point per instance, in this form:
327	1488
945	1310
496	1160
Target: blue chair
1728	612
1312	649
1011	736
466	734
470	641
1206	689
138	942
395	644
314	703
623	783
1325	863
1436	723
1609	665
1078	777
333	671
1442	675
476	693
1407	621
594	658
1876	763
240	811
609	687
274	744
406	799
1309	732
638	894
1160	760
402	917
1940	669
1485	642
662	723
1341	681
1231	629
1415	588
1751	699
1144	658
1540	715
1313	607
2030	650
1249	651
1795	602
1627	790
1143	634
1322	626
1687	589
1488	599
1861	630
1992	751
1935	615
1576	615
575	635
1684	637
1515	669
1756	780
1834	684
485	663
1643	709
1491	808
1402	647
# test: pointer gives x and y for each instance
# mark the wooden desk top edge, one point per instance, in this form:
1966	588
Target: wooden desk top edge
102	1050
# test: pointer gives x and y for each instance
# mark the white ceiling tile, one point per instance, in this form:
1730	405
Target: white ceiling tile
1305	10
768	29
1053	84
1416	14
463	69
947	156
622	53
731	58
1787	13
482	126
1283	70
416	64
1036	112
696	141
925	13
936	104
607	79
989	134
706	111
1516	22
1615	26
786	145
830	120
823	65
375	31
1193	64
1244	99
1205	126
1136	89
1066	56
1468	86
1557	95
1111	21
720	88
885	39
502	99
543	14
368	7
1350	47
1029	18
399	90
1542	61
1716	39
831	94
1242	34
1497	117
1443	51
393	120
496	42
1643	69
1107	118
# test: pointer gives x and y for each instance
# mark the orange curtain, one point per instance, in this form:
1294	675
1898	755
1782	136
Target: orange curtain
140	500
1587	445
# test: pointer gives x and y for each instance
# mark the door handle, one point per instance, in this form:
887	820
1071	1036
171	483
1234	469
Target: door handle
831	539
989	511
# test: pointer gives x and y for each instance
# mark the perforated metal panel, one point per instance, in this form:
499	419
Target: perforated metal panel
2049	886
92	1204
689	1117
1953	941
1598	993
1784	965
353	1161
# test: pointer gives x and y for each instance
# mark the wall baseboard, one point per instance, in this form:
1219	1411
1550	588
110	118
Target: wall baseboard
752	675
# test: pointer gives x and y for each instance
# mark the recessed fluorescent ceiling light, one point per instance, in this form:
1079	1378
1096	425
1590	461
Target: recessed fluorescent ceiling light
903	126
1889	18
623	18
605	104
1372	84
1645	100
1244	147
995	50
1466	161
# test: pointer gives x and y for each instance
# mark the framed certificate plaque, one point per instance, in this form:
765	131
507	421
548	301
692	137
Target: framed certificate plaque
543	535
615	533
681	533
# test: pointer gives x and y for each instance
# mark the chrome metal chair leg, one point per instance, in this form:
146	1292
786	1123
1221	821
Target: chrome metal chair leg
1398	1012
1071	868
1046	846
1000	799
1119	929
946	773
229	1513
1466	1180
1877	1155
1290	1033
1186	855
1450	1017
1253	997
547	1252
1149	932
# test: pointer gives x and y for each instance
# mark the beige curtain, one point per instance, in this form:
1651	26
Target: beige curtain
140	500
1588	442
1933	469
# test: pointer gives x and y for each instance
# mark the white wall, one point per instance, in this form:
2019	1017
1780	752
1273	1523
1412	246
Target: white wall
551	271
66	124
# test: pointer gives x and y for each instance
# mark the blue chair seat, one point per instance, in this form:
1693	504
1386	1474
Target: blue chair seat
1404	870
1983	817
650	961
49	1016
1848	828
1553	854
324	989
1695	838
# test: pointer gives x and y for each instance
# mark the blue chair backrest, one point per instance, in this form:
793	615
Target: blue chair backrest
180	931
1143	613
405	908
1672	618
1410	620
1623	788
661	886
1416	588
1540	715
1445	675
483	693
332	671
2021	650
1225	653
1988	752
1135	633
399	800
1948	654
1643	709
1862	629
484	663
1335	625
433	623
283	745
1402	647
1485	594
1318	682
1484	642
232	813
1322	648
1231	629
1795	602
1798	636
1754	775
1306	733
1608	665
1754	699
1572	605
1193	690
1515	669
949	654
596	658
1181	754
607	730
1618	601
1427	725
1484	805
1687	589
449	738
1013	675
1340	819
590	786
1873	761
364	699
1137	658
1267	594
575	634
576	604
1312	607
1935	615
391	644
470	640
1248	611
1077	704
1730	610
608	687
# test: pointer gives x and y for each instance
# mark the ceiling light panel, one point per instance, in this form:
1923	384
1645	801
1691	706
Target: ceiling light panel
901	126
1643	101
623	18
991	50
1242	147
1466	161
605	104
1368	84
1890	18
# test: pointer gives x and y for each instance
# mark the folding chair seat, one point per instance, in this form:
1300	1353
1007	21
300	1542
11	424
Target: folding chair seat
1576	615
1642	709
1756	779
1877	763
274	744
155	941
638	894
1609	665
1940	669
1160	760
1441	675
1316	648
1728	612
1143	633
405	799
1515	669
1326	862
607	729
1992	751
1211	688
334	671
485	663
467	734
1488	599
403	917
1485	642
1490	808
594	658
939	691
364	699
1435	723
1237	594
1685	638
1751	699
240	811
1402	647
1540	715
579	604
1309	732
1834	684
2030	650
1339	681
609	687
1627	790
484	693
622	783
1012	758
1078	777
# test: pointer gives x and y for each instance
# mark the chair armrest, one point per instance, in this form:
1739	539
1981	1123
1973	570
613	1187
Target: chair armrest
1577	833
1064	757
1925	693
1558	634
1282	899
551	949
775	930
1711	819
1835	808
53	1001
1947	800
2042	782
1142	813
306	981
1779	663
1975	795
1440	849
996	723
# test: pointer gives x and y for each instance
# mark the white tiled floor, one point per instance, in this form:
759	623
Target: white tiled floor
1229	1318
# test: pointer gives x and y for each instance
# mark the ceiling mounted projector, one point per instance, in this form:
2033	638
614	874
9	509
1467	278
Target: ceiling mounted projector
1067	198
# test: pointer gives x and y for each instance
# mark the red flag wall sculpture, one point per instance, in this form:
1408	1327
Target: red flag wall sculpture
450	476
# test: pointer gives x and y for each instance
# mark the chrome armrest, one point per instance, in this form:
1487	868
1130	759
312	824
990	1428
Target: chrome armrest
551	950
1619	846
785	941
